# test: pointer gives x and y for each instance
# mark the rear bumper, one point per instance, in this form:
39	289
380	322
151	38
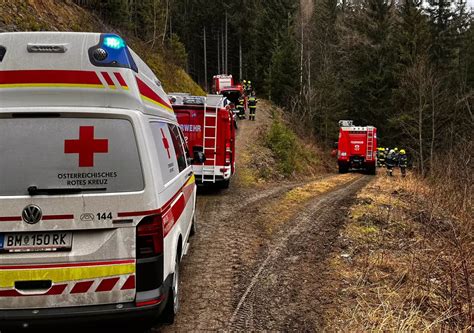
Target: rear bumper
111	315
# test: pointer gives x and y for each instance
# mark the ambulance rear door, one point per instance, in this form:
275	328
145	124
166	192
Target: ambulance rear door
64	178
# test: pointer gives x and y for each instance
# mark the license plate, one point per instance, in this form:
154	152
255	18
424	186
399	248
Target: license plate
35	242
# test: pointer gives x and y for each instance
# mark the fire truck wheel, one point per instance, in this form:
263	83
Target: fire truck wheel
193	226
225	184
371	170
172	304
342	168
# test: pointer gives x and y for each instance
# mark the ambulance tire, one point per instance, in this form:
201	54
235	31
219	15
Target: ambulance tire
172	303
193	226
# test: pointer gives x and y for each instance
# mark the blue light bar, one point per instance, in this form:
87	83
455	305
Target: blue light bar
114	42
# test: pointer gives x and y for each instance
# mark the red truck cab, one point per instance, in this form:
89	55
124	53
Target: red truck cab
357	147
221	81
208	126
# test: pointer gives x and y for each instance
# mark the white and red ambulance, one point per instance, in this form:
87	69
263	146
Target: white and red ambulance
97	193
208	126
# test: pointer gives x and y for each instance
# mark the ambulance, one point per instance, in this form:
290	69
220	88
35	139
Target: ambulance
97	193
208	126
356	147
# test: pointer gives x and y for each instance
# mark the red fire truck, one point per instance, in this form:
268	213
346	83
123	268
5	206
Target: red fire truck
207	123
221	81
357	147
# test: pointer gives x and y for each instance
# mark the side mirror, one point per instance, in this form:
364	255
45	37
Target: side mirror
199	157
335	145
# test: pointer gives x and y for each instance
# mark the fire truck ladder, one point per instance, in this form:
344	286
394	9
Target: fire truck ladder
370	143
209	144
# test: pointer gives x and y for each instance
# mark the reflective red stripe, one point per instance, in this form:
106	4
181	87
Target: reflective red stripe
146	91
120	79
129	284
108	79
55	290
76	264
81	287
107	284
183	189
49	76
10	218
57	217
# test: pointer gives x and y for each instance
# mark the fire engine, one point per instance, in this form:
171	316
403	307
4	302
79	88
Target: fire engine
97	193
222	81
207	123
356	148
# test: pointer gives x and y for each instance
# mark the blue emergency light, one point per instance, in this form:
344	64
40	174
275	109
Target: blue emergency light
114	42
112	51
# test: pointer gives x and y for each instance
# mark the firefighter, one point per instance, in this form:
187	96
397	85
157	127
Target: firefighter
249	88
381	157
391	162
403	162
244	85
252	106
396	154
241	108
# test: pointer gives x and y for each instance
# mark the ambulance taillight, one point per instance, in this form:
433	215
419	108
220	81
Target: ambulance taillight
150	237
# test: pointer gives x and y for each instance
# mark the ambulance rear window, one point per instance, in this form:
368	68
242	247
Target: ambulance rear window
86	155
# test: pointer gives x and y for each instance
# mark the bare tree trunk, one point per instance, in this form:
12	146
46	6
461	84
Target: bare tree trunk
433	121
166	18
218	52
420	132
226	45
205	61
301	53
240	58
154	25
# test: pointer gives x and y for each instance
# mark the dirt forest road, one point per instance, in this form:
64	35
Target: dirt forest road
258	259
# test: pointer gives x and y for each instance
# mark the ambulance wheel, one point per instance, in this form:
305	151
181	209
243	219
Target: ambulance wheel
172	304
193	226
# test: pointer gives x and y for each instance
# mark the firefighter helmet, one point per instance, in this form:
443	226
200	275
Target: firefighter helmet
402	152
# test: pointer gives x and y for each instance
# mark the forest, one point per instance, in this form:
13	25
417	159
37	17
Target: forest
405	67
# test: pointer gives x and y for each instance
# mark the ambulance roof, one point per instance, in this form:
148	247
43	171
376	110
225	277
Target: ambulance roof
210	101
41	69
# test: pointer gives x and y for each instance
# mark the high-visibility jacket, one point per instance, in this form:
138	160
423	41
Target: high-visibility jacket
252	102
403	161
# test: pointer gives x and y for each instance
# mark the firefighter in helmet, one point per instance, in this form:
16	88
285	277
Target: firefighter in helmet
252	106
249	88
391	161
380	157
241	108
403	162
244	85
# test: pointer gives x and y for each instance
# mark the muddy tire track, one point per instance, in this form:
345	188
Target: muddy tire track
285	290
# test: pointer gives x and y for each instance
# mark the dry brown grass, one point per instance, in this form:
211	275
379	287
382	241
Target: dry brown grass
405	262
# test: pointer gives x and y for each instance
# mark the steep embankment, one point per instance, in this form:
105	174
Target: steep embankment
269	150
55	15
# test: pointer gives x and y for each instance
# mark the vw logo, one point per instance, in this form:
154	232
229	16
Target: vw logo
32	214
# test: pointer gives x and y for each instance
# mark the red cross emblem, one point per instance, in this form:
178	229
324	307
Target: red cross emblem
165	143
86	146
